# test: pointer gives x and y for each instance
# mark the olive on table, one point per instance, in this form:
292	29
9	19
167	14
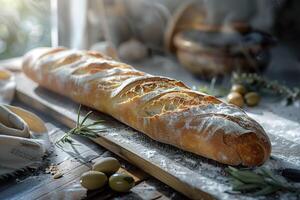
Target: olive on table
4	75
107	165
252	98
239	89
235	98
121	182
92	180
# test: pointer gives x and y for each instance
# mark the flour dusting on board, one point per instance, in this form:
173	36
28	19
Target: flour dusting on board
195	170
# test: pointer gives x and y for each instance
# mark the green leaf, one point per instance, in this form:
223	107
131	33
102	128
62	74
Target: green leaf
263	180
265	191
248	177
245	187
236	182
232	169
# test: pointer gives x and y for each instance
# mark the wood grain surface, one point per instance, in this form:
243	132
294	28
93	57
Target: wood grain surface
72	161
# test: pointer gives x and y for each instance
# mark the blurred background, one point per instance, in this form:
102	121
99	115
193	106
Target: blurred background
191	40
23	25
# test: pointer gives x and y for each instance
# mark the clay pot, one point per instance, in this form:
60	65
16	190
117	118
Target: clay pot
193	16
210	54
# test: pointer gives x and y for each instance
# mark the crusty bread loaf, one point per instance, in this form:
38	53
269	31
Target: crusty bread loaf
164	109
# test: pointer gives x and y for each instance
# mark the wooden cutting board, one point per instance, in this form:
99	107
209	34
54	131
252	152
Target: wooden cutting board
192	175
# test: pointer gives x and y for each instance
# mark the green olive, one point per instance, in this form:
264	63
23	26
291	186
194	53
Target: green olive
107	165
92	180
252	98
121	182
236	99
239	89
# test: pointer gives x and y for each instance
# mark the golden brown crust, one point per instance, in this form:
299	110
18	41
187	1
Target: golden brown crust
164	109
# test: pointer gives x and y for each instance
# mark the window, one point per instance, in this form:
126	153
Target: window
24	24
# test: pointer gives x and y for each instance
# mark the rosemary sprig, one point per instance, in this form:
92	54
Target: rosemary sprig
256	82
261	181
86	130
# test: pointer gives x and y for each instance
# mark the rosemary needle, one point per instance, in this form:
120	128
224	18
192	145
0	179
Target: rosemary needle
261	181
81	128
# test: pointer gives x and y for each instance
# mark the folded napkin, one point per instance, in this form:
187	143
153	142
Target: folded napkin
24	139
7	86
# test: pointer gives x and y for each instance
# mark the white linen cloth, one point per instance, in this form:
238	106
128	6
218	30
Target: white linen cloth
7	86
24	139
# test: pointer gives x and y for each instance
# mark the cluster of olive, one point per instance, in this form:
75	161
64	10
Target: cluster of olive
239	96
97	177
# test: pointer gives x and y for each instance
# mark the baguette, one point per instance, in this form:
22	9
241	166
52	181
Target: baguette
162	108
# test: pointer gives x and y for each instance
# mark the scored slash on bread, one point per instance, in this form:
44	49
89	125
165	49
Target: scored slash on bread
162	108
